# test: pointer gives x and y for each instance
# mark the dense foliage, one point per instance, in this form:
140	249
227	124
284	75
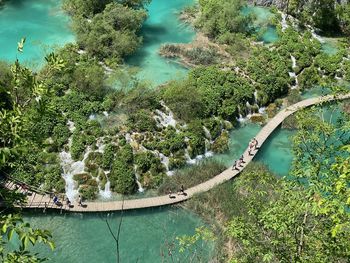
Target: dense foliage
107	30
220	18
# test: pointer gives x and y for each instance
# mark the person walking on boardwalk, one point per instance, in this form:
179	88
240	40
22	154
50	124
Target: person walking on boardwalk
55	199
234	166
80	201
255	141
250	147
242	159
68	202
182	190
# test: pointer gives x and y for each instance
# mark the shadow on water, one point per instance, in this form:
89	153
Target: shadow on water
152	35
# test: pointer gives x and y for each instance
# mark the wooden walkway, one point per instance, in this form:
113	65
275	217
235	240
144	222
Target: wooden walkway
36	200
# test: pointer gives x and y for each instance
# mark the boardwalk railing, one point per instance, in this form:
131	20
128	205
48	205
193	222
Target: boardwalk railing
44	201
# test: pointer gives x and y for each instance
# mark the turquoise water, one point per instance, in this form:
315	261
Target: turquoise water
42	22
162	26
262	18
275	153
329	48
145	236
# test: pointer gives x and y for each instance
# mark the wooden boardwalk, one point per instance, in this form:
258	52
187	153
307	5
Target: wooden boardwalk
36	200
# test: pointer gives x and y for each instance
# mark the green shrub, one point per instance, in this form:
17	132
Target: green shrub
108	156
88	192
142	121
122	175
61	134
78	146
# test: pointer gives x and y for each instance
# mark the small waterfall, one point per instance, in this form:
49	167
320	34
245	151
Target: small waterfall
314	35
256	97
241	119
262	110
164	160
207	133
249	108
294	61
100	145
140	188
71	126
70	168
106	193
164	119
105	113
284	22
92	117
188	158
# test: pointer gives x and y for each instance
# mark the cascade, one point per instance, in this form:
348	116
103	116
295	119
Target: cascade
106	193
284	22
207	133
164	119
70	168
294	61
71	126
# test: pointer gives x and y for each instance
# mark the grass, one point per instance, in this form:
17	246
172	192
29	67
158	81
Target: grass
191	176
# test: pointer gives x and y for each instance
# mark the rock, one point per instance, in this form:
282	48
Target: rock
257	118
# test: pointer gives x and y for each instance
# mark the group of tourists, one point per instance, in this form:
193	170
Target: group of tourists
180	192
68	202
253	145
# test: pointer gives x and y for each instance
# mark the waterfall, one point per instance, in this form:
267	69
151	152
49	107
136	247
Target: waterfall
92	117
207	133
106	193
241	119
105	113
71	126
140	188
314	35
249	108
164	119
164	160
70	168
294	61
188	158
284	22
256	97
262	110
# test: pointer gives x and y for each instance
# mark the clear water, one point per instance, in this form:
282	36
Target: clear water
162	26
145	235
329	48
42	22
275	153
261	22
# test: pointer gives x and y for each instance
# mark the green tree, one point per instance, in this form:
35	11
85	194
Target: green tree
219	17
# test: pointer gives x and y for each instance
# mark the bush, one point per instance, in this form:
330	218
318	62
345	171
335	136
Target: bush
108	156
88	192
122	176
142	121
78	146
61	135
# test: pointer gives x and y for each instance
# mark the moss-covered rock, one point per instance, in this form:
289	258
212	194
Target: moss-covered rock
220	145
257	118
82	178
271	110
